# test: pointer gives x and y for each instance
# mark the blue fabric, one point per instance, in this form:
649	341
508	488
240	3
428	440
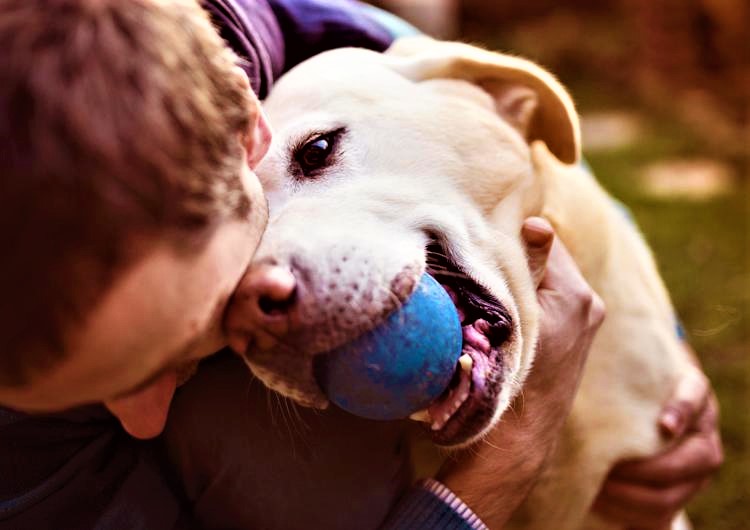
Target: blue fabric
397	27
313	26
421	509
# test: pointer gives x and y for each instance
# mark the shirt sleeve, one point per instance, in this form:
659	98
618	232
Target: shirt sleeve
310	27
431	505
250	28
272	36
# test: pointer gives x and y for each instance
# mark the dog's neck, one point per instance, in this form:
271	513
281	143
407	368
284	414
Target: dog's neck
571	199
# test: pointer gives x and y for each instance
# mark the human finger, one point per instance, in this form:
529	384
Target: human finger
538	236
573	311
687	402
696	457
642	506
627	517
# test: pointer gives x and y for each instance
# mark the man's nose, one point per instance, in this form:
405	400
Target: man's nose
261	308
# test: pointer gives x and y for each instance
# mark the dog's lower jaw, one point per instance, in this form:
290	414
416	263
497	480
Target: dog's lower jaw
303	390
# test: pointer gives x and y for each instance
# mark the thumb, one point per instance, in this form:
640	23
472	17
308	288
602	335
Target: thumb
538	236
688	400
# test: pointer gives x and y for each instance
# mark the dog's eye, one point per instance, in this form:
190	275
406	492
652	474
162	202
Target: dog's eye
315	154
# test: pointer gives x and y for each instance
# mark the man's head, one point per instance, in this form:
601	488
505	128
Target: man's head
128	209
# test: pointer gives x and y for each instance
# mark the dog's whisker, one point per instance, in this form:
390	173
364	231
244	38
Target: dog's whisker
291	426
269	403
486	441
293	414
301	421
281	403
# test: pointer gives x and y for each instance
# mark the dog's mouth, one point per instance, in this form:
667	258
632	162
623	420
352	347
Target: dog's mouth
468	405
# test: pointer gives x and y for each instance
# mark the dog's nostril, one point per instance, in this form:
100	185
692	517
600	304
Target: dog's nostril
276	306
273	290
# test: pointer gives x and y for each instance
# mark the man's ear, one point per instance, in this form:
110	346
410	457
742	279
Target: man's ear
258	140
527	96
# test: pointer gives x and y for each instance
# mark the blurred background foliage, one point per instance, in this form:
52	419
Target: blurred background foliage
663	88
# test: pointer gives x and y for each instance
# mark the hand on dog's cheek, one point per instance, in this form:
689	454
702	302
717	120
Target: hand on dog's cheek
648	493
538	236
494	477
143	414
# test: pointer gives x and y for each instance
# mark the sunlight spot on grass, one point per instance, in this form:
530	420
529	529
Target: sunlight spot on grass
604	131
690	179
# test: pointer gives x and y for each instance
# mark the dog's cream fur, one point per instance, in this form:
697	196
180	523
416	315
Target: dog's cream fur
450	139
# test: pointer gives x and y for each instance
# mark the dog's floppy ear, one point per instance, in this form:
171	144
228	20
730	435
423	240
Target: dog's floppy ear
527	96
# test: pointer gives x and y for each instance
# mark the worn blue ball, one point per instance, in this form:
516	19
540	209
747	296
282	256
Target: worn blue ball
402	365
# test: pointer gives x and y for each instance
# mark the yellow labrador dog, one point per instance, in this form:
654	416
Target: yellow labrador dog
428	158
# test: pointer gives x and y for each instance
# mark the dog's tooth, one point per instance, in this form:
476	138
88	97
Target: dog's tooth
440	422
466	362
437	425
421	415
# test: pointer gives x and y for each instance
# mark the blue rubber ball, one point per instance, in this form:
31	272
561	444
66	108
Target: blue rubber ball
400	366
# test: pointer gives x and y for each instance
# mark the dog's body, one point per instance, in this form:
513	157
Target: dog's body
423	153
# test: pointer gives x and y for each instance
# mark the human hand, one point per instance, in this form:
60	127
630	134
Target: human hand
647	494
494	477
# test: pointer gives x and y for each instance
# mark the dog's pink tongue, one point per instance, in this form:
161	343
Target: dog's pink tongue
475	335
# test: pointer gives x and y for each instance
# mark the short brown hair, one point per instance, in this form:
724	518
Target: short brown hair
117	117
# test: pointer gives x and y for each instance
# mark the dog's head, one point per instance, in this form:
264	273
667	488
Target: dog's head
382	167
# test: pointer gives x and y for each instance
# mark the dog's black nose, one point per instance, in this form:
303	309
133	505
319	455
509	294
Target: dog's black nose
261	306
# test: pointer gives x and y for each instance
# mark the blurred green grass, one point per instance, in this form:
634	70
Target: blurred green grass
703	251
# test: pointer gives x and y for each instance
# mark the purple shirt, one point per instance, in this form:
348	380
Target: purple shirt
274	35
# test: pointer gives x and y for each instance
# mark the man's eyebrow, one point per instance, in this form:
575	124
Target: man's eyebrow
176	360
